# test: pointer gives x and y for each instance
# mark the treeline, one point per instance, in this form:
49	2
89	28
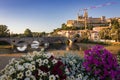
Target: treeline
65	27
5	32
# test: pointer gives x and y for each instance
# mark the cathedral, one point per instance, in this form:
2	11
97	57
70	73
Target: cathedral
85	20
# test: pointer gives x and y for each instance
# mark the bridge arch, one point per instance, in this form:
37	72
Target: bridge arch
69	42
4	42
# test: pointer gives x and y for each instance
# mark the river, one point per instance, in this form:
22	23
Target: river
77	47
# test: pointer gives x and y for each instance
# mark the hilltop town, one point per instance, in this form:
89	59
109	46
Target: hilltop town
89	25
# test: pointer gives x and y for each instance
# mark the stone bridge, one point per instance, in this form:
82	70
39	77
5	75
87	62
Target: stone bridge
29	40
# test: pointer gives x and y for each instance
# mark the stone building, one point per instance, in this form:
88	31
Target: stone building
90	21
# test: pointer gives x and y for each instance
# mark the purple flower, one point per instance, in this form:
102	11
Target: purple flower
101	62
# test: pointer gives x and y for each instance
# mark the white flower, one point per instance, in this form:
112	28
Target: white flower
11	71
33	77
44	74
35	53
40	73
52	77
20	75
32	68
22	60
48	55
71	63
39	60
40	64
29	58
28	73
45	61
48	66
9	78
57	76
33	62
54	61
27	78
40	79
10	67
74	61
3	77
17	62
43	49
79	76
12	61
27	65
72	78
20	67
67	71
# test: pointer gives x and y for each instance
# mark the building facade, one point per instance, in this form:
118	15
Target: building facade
89	21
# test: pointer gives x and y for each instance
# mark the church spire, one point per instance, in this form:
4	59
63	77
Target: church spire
85	13
86	17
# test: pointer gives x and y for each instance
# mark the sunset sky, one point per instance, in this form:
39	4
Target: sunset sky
46	15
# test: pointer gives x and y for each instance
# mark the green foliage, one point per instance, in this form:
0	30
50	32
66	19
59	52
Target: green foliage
28	33
118	57
90	27
14	35
39	34
4	31
115	24
65	27
85	36
111	33
115	31
115	34
104	33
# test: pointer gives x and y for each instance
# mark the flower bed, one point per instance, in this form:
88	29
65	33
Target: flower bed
101	64
97	64
36	66
73	64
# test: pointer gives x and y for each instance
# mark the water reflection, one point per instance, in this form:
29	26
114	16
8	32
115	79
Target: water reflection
5	51
73	47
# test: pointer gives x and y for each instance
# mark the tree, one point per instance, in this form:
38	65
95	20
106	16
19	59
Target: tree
4	31
64	26
115	34
43	33
115	30
28	33
36	34
85	36
104	33
90	27
115	24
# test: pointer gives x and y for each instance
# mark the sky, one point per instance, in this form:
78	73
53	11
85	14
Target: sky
47	15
